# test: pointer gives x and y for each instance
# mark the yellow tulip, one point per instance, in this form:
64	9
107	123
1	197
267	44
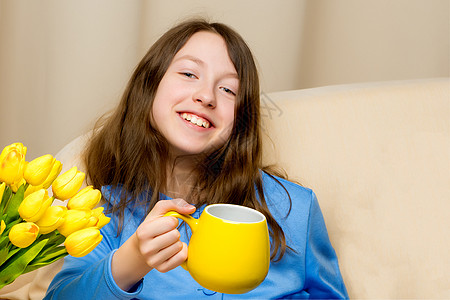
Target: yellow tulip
54	172
92	221
83	241
2	226
23	235
102	220
12	161
53	217
97	211
34	205
2	190
75	220
37	170
56	169
32	188
15	186
67	184
87	198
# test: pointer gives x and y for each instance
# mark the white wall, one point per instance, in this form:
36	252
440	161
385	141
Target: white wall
371	40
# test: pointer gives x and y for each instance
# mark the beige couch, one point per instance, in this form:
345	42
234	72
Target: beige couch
377	156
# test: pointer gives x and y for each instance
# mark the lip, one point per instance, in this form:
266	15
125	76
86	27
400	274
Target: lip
211	124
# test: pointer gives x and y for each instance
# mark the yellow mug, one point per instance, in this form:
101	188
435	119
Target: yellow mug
229	250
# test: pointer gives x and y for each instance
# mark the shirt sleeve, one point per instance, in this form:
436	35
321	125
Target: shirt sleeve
323	277
90	277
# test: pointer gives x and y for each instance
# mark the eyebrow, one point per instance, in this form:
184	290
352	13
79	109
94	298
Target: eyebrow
191	58
200	62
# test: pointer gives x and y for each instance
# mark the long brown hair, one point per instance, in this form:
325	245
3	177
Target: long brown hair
127	151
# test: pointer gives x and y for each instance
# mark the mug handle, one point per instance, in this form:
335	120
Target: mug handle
191	221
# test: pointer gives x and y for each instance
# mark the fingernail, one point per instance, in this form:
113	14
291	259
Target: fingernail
190	206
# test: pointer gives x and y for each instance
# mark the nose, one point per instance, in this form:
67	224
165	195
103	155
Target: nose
205	96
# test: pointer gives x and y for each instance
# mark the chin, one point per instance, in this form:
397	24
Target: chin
194	151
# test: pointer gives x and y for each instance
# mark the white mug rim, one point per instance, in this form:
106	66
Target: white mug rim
249	211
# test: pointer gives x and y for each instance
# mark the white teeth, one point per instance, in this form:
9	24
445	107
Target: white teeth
196	120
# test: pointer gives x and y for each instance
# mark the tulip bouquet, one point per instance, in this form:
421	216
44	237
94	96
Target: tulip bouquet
33	232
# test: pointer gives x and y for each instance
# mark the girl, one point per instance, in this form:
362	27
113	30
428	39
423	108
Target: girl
185	134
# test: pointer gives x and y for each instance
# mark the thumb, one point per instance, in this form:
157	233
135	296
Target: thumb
179	205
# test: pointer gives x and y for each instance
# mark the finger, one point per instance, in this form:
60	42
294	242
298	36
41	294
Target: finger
152	228
174	260
158	260
153	246
164	206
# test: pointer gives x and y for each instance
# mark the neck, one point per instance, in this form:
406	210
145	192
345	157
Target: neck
180	177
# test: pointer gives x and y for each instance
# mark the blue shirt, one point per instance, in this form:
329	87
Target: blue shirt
310	271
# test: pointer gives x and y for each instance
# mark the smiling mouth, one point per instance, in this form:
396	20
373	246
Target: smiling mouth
196	120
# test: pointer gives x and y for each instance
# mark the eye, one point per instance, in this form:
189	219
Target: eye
189	75
228	91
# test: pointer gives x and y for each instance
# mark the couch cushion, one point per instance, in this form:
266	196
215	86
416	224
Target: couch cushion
377	156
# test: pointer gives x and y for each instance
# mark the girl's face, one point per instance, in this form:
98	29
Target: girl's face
194	104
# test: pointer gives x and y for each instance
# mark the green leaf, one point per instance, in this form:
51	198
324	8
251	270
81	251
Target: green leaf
4	236
56	239
33	267
12	251
53	239
11	224
4	240
49	254
3	255
46	259
5	199
11	210
17	264
51	249
51	236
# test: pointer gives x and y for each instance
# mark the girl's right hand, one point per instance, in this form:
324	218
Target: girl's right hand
159	239
155	245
